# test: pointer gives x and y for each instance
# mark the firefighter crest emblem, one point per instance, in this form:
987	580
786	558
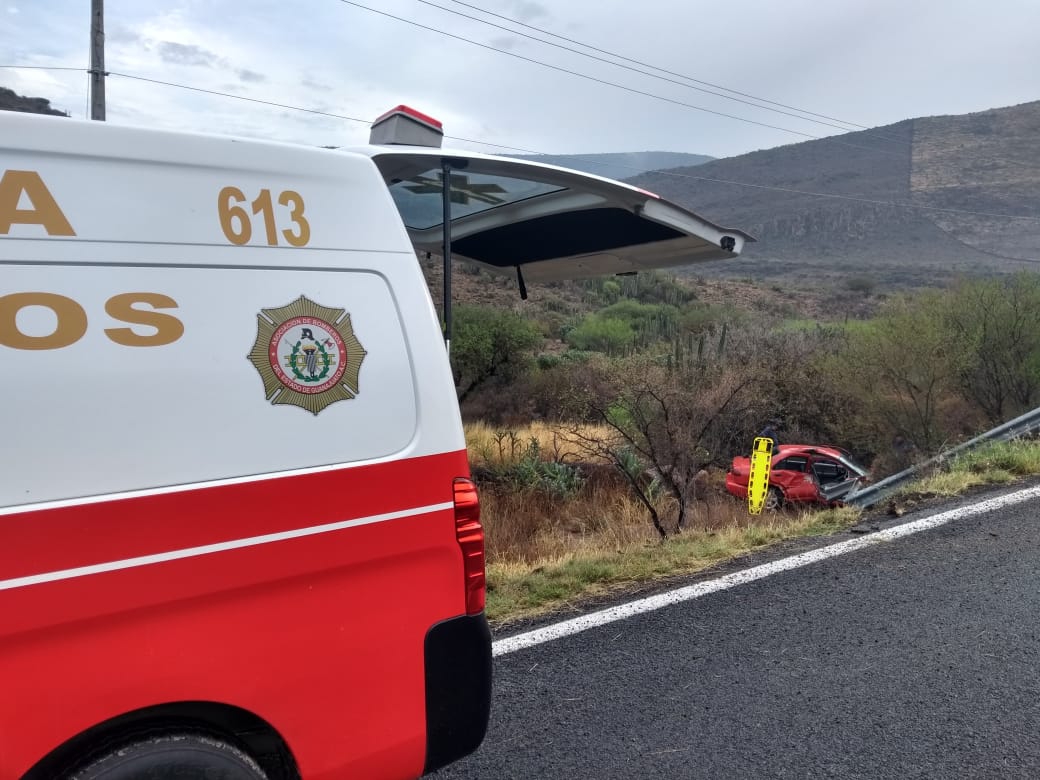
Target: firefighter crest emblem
307	355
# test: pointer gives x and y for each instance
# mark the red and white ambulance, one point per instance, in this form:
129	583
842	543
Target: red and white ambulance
237	534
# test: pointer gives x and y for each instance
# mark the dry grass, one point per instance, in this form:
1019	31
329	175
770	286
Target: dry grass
530	527
546	550
518	589
496	446
544	553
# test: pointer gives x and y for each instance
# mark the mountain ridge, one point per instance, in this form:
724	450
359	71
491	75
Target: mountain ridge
908	202
619	165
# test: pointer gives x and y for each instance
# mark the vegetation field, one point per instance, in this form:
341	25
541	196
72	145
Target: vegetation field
548	550
600	426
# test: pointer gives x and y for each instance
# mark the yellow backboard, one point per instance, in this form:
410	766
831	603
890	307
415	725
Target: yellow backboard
758	476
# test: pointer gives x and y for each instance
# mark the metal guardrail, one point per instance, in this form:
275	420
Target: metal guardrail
1021	426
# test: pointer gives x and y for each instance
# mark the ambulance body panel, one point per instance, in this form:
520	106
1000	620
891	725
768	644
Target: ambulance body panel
234	489
168	533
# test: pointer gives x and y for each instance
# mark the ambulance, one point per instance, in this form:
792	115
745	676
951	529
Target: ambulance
238	537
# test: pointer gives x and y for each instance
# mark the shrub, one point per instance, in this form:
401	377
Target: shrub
490	345
597	334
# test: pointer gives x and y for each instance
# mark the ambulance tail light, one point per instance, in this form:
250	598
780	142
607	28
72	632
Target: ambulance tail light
470	534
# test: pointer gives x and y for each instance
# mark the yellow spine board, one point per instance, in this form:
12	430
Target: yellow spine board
758	476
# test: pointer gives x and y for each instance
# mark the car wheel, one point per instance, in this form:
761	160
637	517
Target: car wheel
774	500
183	756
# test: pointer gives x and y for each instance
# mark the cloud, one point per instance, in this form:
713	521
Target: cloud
120	33
312	84
187	54
251	76
526	10
506	42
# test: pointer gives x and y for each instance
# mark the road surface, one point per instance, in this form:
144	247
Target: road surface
912	658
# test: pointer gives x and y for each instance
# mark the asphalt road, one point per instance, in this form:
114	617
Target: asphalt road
914	658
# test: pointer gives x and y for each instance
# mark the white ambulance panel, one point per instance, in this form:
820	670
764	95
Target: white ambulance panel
217	402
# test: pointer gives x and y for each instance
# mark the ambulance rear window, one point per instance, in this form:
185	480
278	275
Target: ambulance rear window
419	198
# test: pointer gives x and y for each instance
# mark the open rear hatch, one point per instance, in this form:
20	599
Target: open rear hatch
541	222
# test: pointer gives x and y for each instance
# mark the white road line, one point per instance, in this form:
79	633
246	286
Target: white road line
593	619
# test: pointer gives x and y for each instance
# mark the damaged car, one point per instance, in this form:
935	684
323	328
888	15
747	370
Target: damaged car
802	474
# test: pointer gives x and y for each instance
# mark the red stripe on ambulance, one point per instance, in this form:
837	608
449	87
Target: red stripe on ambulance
67	537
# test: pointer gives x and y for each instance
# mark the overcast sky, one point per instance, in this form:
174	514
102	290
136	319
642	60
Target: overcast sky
867	62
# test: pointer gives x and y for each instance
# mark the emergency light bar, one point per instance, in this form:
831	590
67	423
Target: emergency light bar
407	127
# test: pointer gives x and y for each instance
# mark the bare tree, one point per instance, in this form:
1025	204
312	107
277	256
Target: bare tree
666	425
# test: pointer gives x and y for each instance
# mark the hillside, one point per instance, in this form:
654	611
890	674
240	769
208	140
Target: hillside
11	101
809	247
619	165
983	162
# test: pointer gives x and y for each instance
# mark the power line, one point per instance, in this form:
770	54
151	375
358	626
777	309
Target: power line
239	97
786	190
841	127
56	67
655	67
43	67
217	93
613	84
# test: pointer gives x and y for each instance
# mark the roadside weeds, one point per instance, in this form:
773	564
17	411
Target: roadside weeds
518	590
564	565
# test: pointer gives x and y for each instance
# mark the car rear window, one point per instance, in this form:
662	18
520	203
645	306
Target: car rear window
829	471
793	463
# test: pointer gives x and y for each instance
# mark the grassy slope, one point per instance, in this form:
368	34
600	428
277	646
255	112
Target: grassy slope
518	589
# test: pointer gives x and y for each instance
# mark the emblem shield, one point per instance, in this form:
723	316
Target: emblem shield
307	355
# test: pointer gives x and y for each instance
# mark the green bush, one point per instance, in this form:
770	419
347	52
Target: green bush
596	334
490	346
627	324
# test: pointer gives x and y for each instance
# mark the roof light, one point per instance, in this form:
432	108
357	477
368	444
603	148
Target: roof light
408	127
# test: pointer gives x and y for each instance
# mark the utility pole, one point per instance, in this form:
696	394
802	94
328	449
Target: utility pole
97	60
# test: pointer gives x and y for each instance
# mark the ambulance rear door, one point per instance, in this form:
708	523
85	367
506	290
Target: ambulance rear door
547	223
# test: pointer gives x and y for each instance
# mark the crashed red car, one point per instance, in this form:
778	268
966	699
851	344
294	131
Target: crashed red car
802	474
